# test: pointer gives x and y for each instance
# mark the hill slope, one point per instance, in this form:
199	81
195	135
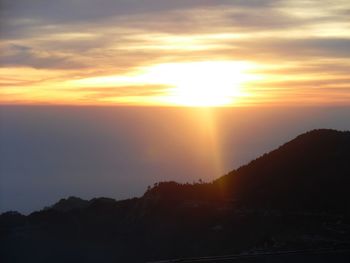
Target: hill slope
311	171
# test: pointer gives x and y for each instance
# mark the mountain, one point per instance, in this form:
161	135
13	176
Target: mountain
69	204
311	171
293	198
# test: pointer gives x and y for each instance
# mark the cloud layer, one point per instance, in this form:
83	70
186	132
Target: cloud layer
300	47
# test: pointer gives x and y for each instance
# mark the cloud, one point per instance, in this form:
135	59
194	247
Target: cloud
296	48
101	38
26	17
112	92
86	10
19	55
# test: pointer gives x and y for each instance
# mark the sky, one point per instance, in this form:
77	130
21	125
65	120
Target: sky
53	152
182	53
203	86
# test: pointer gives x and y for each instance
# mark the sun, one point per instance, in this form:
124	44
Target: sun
193	84
202	84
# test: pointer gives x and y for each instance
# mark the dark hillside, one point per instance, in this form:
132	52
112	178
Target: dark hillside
311	171
293	198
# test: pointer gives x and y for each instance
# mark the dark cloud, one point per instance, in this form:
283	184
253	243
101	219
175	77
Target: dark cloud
25	18
114	26
19	55
262	18
87	10
292	49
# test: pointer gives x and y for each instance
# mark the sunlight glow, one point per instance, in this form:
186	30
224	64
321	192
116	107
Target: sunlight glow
179	54
201	84
195	84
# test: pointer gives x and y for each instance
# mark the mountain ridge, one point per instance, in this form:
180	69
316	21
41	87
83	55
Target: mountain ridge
294	197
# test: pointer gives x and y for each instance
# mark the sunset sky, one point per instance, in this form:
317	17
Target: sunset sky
167	52
260	72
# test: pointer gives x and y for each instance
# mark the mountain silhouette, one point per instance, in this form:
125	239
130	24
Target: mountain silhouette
311	171
293	198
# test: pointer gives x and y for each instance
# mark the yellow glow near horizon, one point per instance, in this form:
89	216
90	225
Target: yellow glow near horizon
196	55
197	84
201	84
